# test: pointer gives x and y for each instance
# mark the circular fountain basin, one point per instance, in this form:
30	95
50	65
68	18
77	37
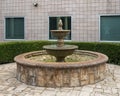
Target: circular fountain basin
61	74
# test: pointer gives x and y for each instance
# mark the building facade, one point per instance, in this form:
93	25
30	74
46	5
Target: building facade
88	20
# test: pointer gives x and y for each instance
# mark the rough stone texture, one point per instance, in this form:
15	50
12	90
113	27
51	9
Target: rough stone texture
10	86
61	74
60	77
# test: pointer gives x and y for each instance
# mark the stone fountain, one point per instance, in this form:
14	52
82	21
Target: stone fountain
60	51
61	72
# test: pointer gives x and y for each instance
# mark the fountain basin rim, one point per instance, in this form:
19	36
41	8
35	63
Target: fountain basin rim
60	31
65	47
20	59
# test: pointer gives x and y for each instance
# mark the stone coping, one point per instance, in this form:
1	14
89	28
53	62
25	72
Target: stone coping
65	47
101	58
62	31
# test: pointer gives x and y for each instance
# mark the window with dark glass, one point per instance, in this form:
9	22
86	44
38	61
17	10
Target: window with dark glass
53	25
14	28
110	28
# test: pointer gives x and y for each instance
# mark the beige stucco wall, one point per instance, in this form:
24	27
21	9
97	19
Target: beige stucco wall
85	16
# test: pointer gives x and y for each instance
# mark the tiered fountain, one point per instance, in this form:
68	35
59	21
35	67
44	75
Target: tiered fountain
61	65
60	51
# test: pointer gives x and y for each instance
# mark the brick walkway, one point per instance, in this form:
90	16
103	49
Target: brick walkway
9	86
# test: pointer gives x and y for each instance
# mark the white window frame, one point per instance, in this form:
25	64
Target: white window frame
100	29
5	27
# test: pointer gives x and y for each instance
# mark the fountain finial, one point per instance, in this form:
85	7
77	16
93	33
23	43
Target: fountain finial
60	24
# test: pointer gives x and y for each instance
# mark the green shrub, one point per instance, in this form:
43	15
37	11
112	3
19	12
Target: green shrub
112	50
8	50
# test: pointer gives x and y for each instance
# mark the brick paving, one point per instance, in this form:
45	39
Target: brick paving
10	86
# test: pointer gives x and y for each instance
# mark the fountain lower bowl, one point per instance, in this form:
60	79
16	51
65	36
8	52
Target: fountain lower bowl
60	52
60	74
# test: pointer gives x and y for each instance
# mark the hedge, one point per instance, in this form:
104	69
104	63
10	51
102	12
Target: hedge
8	50
112	50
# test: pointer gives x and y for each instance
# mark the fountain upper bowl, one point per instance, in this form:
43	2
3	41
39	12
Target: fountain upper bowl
60	33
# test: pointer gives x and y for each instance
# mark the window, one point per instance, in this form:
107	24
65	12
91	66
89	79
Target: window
53	25
110	28
14	28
